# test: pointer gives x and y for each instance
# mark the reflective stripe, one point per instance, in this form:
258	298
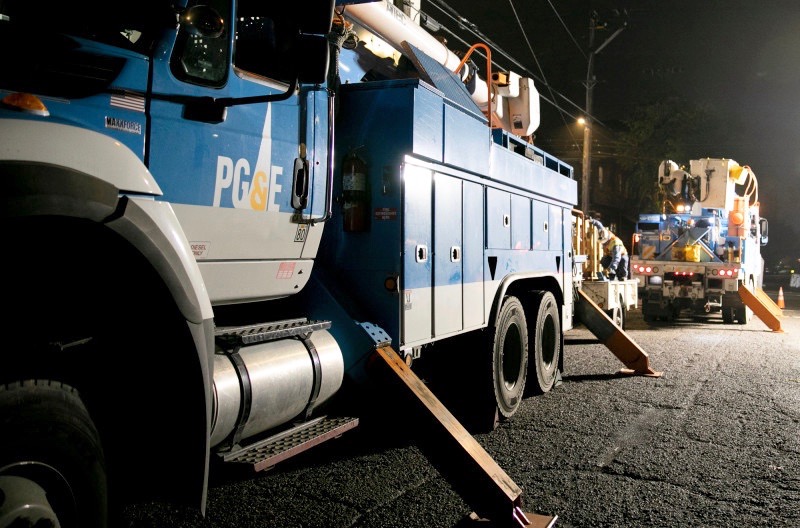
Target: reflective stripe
612	242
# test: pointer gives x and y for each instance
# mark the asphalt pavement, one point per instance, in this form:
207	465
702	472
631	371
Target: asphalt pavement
714	442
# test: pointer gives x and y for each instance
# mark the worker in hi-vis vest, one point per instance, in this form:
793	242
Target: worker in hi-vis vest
615	256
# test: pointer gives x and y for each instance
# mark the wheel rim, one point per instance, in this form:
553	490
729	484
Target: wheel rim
512	357
548	341
35	492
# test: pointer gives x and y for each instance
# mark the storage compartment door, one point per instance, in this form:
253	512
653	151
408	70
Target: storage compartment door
472	259
416	277
541	226
498	219
447	255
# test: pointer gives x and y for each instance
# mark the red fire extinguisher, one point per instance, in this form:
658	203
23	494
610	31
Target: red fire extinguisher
355	193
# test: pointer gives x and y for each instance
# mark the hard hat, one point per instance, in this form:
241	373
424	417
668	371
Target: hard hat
604	235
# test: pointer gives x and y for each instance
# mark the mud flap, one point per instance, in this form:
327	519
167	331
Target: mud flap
763	307
458	457
618	342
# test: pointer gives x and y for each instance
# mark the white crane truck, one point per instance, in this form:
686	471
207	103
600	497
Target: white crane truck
226	219
696	255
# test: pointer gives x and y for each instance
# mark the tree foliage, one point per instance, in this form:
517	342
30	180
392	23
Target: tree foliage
667	129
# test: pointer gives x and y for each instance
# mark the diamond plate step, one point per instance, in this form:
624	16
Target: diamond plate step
259	333
268	452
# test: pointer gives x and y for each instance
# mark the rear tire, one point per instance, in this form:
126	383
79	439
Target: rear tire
617	314
50	448
545	338
481	376
744	314
727	315
509	356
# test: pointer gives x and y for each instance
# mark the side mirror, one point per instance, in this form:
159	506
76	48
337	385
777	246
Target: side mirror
312	58
202	21
317	17
311	49
764	226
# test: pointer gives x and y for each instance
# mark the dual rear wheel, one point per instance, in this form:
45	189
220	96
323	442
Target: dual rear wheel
526	350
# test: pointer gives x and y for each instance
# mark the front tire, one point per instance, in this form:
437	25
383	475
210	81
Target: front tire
50	448
545	333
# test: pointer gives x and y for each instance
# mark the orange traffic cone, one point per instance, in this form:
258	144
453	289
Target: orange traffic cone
781	304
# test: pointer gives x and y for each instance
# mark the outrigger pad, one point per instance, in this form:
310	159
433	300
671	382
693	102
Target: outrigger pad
522	519
650	373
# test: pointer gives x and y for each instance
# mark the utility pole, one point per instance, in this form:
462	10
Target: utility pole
586	167
586	170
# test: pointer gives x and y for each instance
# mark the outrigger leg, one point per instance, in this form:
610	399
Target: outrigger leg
618	342
474	475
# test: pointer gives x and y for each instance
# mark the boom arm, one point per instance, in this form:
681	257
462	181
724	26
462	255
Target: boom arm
514	100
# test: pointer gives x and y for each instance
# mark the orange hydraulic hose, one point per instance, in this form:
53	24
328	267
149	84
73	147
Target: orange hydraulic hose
488	75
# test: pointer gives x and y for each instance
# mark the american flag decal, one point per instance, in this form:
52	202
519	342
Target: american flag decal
128	101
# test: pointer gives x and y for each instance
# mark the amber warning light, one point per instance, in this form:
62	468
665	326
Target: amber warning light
25	102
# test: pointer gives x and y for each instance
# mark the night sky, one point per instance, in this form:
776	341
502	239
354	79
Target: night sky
739	58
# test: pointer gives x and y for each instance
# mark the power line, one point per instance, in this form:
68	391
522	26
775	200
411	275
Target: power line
558	16
535	59
472	29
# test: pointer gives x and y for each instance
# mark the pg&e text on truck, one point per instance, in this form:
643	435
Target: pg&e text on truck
226	220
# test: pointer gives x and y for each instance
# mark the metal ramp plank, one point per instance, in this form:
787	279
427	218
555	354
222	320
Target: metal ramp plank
472	472
615	338
763	307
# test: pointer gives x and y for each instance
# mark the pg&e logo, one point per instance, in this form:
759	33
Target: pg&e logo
245	190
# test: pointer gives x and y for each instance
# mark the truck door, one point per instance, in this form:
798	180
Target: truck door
498	219
230	173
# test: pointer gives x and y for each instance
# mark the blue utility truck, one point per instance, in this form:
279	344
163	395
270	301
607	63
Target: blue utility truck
228	222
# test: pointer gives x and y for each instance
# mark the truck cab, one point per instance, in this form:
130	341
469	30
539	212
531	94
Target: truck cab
167	169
